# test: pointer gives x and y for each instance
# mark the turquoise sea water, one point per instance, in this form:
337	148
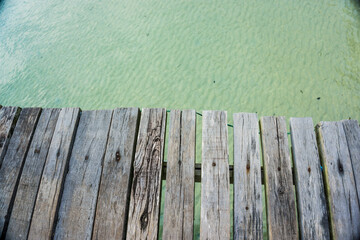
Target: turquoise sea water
290	58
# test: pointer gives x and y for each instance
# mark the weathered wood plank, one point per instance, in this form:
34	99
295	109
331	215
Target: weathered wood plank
144	207
13	162
78	202
215	185
7	121
114	191
49	193
352	132
311	200
180	185
247	178
339	181
30	178
281	211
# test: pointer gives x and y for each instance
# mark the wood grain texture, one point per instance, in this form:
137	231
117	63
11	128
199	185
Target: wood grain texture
7	121
13	162
78	202
352	132
215	182
247	178
180	185
144	207
114	191
30	178
281	210
311	199
339	181
49	193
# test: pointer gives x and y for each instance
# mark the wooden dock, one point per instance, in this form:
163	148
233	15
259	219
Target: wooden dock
72	174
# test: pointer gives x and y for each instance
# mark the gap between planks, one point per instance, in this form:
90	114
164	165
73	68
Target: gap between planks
231	171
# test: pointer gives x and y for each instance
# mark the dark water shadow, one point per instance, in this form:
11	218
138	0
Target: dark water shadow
355	3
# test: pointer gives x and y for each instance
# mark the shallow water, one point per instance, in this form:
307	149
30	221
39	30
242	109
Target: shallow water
290	58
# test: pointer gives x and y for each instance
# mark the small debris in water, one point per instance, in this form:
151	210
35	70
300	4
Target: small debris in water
147	34
214	81
318	98
301	91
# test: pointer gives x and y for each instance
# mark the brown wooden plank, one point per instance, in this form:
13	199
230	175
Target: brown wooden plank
281	211
311	200
7	122
49	193
215	182
247	178
352	132
114	191
339	181
144	207
180	185
13	162
30	178
78	202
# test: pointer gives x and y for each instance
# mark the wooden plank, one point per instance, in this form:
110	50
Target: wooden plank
144	207
180	185
339	181
13	162
30	178
78	202
49	193
311	200
7	121
281	211
352	132
114	191
215	185
247	178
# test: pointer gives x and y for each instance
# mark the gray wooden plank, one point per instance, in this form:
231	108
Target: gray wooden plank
7	121
49	193
13	162
352	132
339	181
247	178
281	211
145	196
215	185
114	190
78	202
30	178
180	185
311	199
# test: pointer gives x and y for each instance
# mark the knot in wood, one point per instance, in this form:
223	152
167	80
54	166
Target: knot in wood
247	208
281	190
86	157
214	164
144	220
36	150
279	168
309	170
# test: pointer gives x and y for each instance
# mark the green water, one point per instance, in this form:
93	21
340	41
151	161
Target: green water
270	57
